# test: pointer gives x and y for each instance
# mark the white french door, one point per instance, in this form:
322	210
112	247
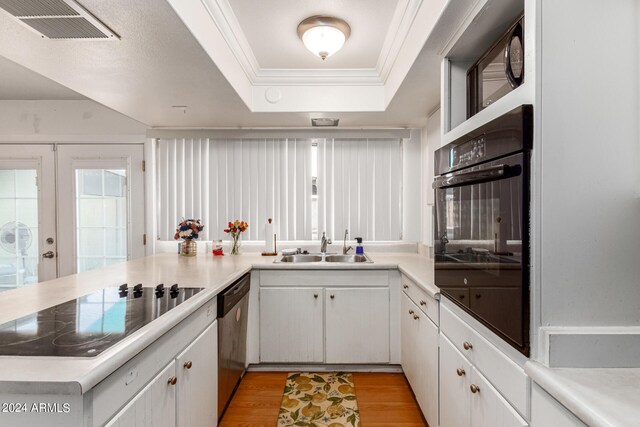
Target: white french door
28	242
100	206
68	208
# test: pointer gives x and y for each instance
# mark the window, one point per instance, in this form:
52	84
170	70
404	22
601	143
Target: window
308	186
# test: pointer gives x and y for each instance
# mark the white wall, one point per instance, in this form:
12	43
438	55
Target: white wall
590	208
66	121
431	141
412	199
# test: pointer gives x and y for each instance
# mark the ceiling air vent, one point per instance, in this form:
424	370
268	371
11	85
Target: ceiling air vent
324	122
58	19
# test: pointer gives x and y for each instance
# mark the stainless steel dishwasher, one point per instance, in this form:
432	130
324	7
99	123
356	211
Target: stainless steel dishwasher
233	304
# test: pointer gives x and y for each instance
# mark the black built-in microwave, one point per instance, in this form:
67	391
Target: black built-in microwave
498	71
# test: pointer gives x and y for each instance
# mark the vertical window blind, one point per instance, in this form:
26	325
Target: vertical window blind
359	188
219	180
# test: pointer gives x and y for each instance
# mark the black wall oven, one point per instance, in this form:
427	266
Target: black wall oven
482	188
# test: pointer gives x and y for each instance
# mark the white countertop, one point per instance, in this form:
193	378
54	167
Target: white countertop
600	397
77	375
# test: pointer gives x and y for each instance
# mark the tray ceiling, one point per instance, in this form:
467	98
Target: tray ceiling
173	53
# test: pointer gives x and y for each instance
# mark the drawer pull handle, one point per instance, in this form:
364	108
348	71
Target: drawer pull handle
423	302
405	286
332	296
415	317
188	364
474	388
467	345
460	372
172	381
315	296
411	311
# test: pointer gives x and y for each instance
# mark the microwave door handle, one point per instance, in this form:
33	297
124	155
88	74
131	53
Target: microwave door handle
514	81
485	175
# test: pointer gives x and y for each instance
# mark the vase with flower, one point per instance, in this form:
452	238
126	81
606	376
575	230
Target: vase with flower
188	230
235	230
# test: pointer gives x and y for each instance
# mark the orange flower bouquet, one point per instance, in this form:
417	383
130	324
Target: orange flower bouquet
235	229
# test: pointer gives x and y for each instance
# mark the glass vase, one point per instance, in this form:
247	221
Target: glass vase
189	248
235	244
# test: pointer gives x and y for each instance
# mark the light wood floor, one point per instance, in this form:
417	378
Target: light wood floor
385	400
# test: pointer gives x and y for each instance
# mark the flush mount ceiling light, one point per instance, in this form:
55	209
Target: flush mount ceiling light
323	35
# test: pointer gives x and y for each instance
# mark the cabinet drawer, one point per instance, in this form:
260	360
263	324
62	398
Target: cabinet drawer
426	303
319	278
505	375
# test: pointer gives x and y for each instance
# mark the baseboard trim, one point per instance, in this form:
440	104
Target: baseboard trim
277	367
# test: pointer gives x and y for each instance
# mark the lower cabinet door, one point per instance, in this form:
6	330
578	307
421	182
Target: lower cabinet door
357	325
197	376
155	405
455	410
408	341
291	325
427	367
488	407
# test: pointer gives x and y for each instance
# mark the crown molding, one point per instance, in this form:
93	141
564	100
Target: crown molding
314	77
399	29
225	20
223	17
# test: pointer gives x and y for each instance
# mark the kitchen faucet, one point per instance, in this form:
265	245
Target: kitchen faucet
443	242
345	249
323	243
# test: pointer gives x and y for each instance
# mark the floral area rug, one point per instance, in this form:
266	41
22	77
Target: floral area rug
319	400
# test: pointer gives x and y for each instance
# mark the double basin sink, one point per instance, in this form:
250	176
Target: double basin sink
344	259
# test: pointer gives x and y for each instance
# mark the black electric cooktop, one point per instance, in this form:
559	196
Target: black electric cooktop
87	326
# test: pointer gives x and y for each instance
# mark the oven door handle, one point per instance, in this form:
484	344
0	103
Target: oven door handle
493	173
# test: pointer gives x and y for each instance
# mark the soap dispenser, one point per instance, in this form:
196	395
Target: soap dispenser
359	248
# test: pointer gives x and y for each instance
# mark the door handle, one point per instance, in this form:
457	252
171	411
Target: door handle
48	254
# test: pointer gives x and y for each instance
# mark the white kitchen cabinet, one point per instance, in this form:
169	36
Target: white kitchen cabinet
455	403
467	398
140	395
357	325
197	381
419	341
329	316
154	405
291	325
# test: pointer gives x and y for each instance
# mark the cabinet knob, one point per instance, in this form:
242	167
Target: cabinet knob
460	372
423	302
172	381
474	388
467	345
315	296
415	317
411	311
332	296
188	364
405	286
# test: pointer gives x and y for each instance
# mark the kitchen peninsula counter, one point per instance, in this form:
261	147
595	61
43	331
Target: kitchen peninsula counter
76	375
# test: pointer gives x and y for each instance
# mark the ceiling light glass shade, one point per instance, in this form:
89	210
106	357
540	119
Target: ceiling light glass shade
323	41
323	35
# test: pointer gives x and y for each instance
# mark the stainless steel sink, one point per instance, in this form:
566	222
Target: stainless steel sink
301	258
347	258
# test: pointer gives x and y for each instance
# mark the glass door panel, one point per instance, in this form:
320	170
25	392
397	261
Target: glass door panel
18	227
27	215
103	210
101	217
